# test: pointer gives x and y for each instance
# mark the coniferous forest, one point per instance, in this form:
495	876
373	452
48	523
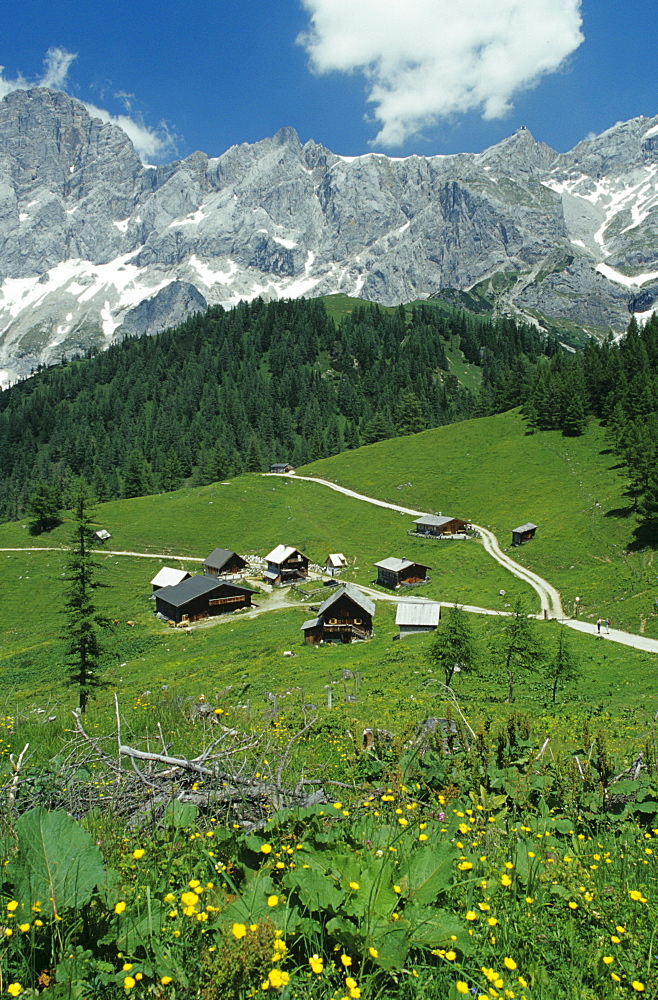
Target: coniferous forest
233	391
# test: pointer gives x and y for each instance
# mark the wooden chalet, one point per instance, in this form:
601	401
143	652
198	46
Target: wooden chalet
168	577
285	565
345	616
417	616
395	573
336	561
523	534
281	468
437	526
223	562
201	597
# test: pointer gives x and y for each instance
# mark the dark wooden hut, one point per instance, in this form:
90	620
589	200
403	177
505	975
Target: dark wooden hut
285	565
394	572
223	562
523	534
343	617
281	468
201	597
436	526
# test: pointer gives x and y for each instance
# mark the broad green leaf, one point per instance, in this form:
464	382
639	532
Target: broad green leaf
57	863
391	939
427	872
436	929
140	925
316	890
179	815
251	905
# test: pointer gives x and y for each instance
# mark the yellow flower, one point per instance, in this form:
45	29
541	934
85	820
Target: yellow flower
265	848
450	956
461	986
272	900
510	964
638	986
128	983
169	898
397	888
505	880
120	907
138	975
615	978
278	978
126	967
522	982
615	939
189	898
165	980
239	931
11	906
346	960
573	906
139	853
24	927
316	964
465	866
608	959
351	983
633	893
373	952
423	836
14	989
492	921
354	886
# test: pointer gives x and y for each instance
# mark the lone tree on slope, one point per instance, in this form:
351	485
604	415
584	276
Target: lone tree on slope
517	648
83	622
452	647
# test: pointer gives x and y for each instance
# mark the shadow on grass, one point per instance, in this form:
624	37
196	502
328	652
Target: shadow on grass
620	512
645	536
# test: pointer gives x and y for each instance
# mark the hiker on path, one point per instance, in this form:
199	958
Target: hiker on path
608	623
599	623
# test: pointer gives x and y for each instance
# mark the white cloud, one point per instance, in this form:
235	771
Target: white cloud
427	59
150	144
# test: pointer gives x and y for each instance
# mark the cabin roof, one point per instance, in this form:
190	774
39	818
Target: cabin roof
281	553
219	557
526	527
336	559
397	565
349	590
435	520
169	577
418	613
311	623
196	586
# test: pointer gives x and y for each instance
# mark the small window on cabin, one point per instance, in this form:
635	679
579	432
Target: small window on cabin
333	621
358	621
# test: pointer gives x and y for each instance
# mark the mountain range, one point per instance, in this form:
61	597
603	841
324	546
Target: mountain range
95	245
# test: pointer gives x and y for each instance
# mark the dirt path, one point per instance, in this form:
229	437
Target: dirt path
107	552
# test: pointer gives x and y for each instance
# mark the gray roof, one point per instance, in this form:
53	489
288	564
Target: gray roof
435	521
219	557
311	623
418	613
354	593
279	554
168	577
195	586
396	565
526	527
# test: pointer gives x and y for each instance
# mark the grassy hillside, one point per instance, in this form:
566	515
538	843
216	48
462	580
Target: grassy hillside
495	474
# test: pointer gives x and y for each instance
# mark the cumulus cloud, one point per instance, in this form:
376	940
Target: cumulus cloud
424	60
150	144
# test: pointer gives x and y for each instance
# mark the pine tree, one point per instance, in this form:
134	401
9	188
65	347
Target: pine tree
83	622
452	647
44	505
562	666
518	648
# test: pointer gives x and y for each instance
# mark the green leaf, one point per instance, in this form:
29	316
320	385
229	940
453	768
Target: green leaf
57	861
434	928
140	925
316	890
179	815
427	872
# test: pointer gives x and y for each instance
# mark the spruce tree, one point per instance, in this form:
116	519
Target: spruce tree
562	666
452	647
83	622
518	648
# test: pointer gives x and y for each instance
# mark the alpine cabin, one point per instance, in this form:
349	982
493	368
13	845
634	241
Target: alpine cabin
285	565
345	616
201	597
224	563
436	526
394	573
523	534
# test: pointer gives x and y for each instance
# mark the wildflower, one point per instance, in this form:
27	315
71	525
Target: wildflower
573	906
510	964
450	956
126	967
239	931
24	927
265	848
492	921
465	866
278	978
373	952
316	964
169	898
471	915
12	905
615	939
120	907
14	989
165	980
522	982
346	960
461	986
128	982
638	986
397	888
615	978
189	899
338	805
351	983
139	853
505	880
354	886
608	959
272	900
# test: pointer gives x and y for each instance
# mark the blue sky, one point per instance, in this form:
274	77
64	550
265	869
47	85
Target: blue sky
396	76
